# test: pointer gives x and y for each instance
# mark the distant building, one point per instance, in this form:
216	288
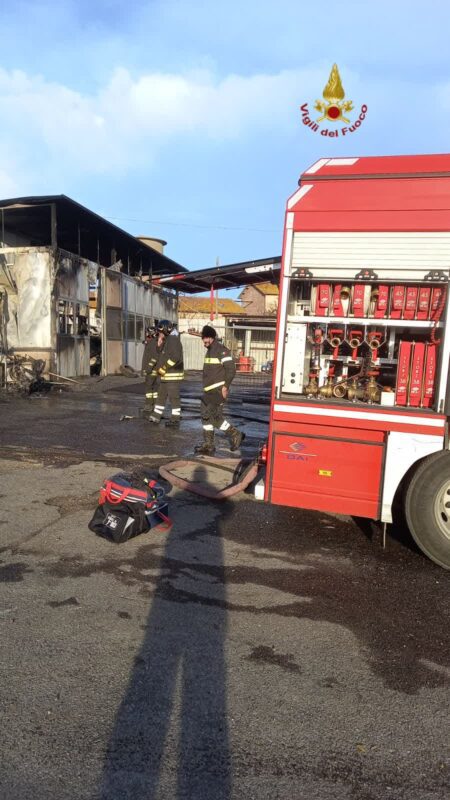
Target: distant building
195	312
260	299
247	326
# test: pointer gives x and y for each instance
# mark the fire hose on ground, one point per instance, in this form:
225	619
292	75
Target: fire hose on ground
244	476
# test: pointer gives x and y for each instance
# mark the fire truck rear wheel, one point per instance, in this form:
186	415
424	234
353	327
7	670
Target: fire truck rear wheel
427	507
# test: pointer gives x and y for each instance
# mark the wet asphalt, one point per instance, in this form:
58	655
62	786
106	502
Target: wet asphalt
253	651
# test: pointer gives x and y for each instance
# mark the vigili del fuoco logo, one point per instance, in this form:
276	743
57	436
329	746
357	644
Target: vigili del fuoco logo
334	110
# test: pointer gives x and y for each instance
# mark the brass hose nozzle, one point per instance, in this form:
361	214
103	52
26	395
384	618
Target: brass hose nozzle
340	390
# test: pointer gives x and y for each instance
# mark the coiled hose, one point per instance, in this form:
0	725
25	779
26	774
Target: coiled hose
243	474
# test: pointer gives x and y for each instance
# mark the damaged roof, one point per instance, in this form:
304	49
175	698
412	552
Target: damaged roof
266	288
78	230
202	305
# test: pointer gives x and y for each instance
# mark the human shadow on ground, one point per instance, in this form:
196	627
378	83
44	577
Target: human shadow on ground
393	601
172	726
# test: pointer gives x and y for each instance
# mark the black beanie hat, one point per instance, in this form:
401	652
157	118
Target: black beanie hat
208	332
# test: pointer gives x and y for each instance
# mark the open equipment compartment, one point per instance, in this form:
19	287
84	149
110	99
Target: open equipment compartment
364	341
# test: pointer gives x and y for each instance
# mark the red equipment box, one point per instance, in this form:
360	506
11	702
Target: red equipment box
416	379
397	302
404	359
358	300
323	299
410	302
381	302
338	309
423	304
429	375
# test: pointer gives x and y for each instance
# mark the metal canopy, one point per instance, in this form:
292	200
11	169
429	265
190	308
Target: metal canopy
228	276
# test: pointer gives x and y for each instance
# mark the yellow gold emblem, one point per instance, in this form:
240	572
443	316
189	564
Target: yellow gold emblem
334	95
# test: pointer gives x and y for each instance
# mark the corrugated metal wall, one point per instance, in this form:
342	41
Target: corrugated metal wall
193	351
130	306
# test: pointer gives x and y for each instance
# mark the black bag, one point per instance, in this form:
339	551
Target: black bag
130	504
120	521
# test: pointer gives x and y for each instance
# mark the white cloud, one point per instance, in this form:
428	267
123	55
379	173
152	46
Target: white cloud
49	129
130	119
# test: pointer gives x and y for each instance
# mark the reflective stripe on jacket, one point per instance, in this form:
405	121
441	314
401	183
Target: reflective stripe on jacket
170	361
218	367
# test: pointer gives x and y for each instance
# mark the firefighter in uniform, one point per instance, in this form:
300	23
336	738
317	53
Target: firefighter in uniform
170	369
218	371
149	360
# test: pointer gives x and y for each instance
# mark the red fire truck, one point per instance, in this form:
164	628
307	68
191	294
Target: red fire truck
361	394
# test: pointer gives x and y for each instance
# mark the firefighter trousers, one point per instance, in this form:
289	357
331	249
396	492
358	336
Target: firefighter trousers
212	411
168	391
151	390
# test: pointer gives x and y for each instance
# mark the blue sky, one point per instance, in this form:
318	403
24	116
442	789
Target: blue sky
181	119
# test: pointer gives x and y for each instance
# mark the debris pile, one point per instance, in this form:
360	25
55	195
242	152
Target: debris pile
24	374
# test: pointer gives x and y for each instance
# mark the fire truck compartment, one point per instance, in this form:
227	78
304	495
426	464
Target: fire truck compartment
323	473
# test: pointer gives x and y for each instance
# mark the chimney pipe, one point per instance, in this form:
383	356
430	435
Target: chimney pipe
151	241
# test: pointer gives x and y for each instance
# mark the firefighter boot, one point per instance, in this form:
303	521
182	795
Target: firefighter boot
235	438
147	411
173	422
207	448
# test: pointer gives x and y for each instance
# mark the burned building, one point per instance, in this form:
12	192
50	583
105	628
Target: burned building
75	288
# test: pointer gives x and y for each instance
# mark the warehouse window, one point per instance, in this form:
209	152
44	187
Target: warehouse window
65	323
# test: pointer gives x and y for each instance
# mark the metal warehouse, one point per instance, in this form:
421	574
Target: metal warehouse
74	287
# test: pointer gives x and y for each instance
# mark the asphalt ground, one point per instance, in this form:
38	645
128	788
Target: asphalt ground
254	651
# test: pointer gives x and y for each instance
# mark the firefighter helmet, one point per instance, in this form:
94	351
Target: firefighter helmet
164	326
